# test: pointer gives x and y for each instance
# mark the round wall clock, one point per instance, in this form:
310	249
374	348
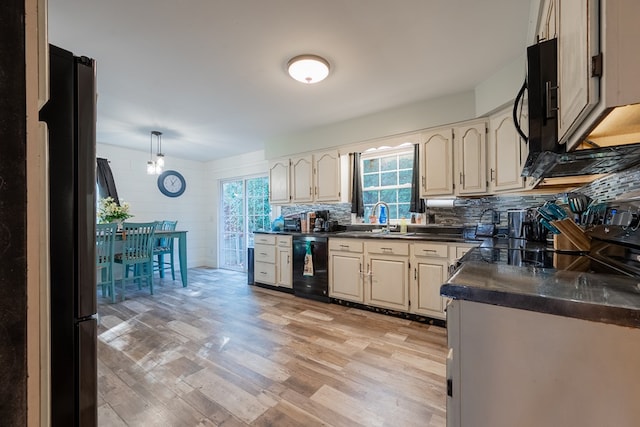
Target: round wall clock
171	183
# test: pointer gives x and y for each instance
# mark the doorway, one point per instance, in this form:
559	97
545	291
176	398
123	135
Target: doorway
244	208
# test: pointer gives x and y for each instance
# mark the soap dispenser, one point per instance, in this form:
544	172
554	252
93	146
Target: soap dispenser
382	219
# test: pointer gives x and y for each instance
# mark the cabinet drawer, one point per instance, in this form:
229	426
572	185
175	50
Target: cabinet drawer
265	253
388	248
265	239
265	272
431	250
283	241
345	245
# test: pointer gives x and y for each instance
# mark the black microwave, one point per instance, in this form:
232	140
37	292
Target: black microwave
547	158
542	87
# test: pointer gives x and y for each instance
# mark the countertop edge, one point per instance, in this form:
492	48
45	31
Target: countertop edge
420	237
537	303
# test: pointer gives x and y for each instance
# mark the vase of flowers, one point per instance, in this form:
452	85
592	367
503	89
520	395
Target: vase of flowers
110	211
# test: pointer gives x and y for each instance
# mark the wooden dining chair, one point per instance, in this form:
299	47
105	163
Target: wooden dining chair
164	246
105	238
137	253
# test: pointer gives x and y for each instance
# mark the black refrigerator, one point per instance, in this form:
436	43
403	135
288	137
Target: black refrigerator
70	115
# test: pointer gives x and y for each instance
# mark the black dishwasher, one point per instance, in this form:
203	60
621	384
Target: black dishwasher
315	283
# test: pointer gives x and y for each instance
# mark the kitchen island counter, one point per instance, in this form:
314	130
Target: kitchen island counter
602	298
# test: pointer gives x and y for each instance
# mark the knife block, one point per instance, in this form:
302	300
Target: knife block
572	238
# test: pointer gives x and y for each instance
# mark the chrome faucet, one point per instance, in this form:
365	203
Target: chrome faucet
373	212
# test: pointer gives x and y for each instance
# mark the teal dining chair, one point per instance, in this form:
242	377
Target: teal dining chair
105	238
164	246
137	253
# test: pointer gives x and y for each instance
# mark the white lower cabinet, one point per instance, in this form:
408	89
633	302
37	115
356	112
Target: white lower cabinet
387	273
392	274
345	270
285	265
430	265
272	260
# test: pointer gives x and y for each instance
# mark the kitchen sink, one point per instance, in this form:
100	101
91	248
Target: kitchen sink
370	233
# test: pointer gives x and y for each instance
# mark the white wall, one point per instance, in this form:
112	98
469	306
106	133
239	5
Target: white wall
249	164
433	112
149	204
501	88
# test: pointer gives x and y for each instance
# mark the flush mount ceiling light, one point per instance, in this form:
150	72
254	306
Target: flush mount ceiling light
308	68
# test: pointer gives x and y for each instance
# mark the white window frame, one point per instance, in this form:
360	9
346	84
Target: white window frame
379	154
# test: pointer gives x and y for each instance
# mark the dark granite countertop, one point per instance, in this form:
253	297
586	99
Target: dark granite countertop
597	297
446	234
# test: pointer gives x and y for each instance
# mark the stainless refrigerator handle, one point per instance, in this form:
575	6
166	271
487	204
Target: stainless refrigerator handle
547	93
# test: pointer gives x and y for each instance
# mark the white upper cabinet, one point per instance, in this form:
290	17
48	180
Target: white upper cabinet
454	160
436	152
302	179
470	165
305	179
578	42
327	176
279	181
507	152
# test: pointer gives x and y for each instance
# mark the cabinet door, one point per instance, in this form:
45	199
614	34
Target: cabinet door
577	42
505	154
279	181
471	159
327	177
346	276
388	282
428	275
437	163
284	267
302	179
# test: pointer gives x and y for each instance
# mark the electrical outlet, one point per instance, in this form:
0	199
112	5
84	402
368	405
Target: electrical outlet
496	217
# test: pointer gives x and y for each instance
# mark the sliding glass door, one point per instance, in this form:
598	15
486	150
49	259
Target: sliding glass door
244	208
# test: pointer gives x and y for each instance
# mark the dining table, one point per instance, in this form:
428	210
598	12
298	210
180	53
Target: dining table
181	235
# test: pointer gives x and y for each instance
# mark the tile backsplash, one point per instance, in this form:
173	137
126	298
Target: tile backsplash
612	186
475	210
340	212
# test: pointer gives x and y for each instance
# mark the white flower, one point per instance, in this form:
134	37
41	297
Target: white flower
110	211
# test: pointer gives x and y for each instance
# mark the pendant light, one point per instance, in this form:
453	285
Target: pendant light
308	69
154	167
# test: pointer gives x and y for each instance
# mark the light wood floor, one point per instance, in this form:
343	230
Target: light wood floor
222	353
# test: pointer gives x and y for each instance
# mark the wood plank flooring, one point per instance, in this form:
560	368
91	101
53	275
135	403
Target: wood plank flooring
223	353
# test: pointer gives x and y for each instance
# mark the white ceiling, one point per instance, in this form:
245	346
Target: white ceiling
210	74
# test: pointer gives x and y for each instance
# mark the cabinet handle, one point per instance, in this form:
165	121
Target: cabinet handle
310	191
491	176
316	190
461	178
288	260
429	250
387	249
344	246
423	181
262	253
415	274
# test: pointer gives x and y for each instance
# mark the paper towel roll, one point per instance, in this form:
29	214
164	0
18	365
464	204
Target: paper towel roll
439	203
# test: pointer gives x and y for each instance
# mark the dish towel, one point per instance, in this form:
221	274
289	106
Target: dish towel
308	262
